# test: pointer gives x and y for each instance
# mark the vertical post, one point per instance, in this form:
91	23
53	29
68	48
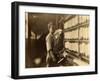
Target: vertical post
26	25
78	37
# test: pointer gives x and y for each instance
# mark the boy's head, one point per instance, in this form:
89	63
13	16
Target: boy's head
50	27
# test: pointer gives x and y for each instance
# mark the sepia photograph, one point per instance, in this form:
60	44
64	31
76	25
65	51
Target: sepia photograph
55	40
50	40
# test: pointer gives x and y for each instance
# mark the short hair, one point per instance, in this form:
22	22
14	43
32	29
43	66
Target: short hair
49	25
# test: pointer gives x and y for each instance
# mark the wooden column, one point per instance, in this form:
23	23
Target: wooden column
26	25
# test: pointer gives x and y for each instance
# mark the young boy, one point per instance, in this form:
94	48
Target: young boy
50	58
